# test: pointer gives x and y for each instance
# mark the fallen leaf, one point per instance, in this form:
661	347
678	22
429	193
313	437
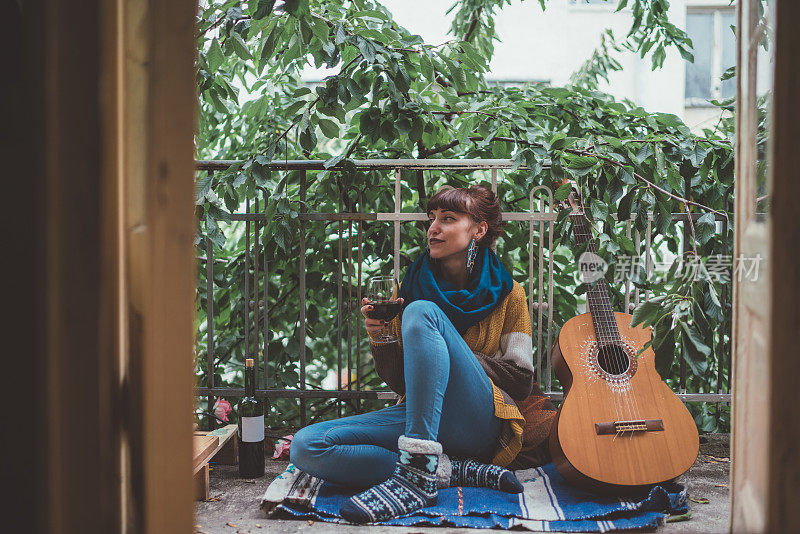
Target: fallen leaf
701	500
310	522
258	526
718	459
681	517
250	481
212	499
721	485
231	525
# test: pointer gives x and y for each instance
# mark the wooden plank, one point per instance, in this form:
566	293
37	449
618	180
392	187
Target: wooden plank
204	448
784	423
160	96
201	483
226	450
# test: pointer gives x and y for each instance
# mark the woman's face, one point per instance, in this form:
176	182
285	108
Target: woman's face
450	232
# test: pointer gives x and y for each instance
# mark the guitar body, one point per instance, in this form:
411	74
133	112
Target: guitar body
620	427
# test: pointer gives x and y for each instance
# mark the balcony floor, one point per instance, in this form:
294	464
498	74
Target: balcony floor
234	503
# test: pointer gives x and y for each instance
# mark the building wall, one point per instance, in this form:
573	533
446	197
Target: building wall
549	46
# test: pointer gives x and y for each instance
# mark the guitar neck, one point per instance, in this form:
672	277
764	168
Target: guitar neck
597	297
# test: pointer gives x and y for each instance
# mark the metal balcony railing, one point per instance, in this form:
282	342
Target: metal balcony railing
539	298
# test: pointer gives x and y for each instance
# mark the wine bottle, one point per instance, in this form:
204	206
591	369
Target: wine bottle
251	427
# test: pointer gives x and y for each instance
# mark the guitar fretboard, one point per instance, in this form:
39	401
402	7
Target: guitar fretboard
605	323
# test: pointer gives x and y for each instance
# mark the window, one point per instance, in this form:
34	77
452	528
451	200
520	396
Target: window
714	52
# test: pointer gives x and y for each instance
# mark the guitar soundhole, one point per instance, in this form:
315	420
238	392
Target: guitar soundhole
613	360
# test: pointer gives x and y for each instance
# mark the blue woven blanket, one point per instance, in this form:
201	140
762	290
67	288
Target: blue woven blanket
548	503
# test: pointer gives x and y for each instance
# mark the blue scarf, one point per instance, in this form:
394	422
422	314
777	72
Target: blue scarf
487	286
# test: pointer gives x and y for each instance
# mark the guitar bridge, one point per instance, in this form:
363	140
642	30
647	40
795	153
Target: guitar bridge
639	425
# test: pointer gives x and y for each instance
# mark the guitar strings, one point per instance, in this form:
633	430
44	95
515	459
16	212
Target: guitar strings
608	343
603	342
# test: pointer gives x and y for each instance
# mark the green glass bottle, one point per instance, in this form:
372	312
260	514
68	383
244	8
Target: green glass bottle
251	427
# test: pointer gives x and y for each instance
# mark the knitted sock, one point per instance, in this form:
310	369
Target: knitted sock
412	485
470	472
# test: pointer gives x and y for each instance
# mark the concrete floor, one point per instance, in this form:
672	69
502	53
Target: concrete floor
234	503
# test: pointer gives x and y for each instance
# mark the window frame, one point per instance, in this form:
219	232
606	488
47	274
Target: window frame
716	8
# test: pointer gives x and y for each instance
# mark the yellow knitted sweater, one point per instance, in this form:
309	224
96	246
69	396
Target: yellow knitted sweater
502	345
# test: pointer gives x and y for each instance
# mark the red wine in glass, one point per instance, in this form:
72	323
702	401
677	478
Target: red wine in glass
382	296
385	310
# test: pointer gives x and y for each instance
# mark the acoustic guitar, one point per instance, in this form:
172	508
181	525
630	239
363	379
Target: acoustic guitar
620	428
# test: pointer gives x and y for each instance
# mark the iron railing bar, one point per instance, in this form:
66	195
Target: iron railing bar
266	303
256	226
368	164
301	394
247	284
687	234
339	312
210	368
628	306
685	397
302	289
418	216
647	245
531	307
540	299
550	230
358	300
638	241
385	394
349	305
397	207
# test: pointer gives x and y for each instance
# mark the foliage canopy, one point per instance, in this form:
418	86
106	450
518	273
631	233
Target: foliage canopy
391	95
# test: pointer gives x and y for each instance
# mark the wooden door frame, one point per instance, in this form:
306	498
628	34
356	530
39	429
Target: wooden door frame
102	115
772	472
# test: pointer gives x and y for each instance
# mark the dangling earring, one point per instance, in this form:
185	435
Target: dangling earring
472	253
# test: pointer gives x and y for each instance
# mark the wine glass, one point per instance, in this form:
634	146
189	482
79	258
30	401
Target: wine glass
382	296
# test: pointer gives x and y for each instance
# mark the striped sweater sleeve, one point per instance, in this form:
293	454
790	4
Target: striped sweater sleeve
511	367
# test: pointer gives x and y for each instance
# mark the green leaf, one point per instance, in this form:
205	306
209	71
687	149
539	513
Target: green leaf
697	155
329	128
664	349
203	185
215	57
582	162
729	73
705	228
562	192
624	206
695	350
268	47
646	313
240	47
320	29
263	9
308	139
296	8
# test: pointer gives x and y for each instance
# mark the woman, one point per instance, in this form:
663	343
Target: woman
464	355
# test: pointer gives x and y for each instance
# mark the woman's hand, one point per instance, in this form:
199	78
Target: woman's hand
374	326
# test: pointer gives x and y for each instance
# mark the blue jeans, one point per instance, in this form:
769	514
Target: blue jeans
448	399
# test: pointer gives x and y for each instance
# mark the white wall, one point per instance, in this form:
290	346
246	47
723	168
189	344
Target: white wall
549	46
